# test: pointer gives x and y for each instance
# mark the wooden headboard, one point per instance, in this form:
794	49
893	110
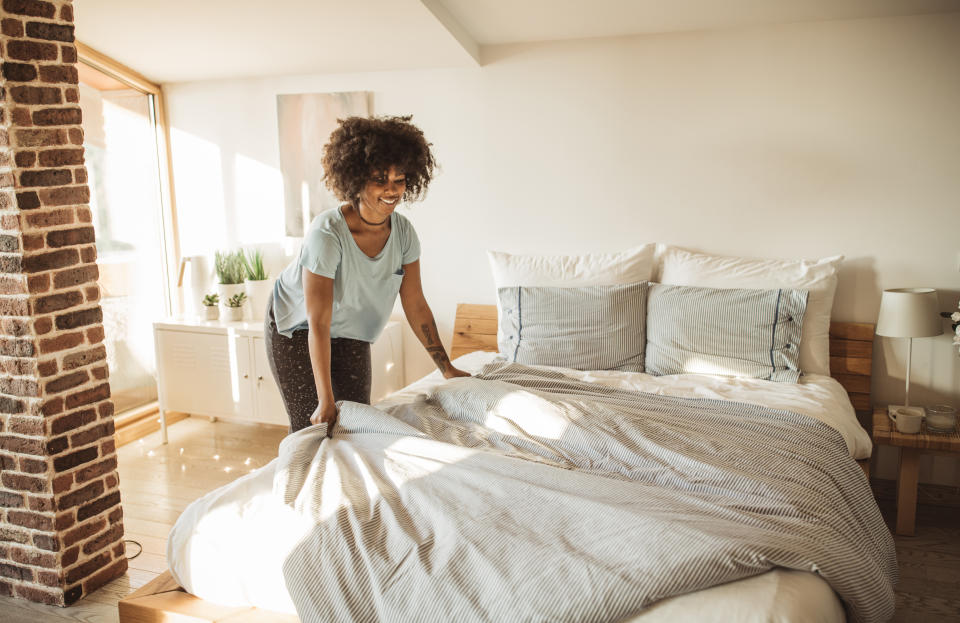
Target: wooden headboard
851	351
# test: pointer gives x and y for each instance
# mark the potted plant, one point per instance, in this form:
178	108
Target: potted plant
210	304
258	283
235	306
230	272
954	324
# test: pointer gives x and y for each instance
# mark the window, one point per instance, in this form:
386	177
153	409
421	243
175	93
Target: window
125	161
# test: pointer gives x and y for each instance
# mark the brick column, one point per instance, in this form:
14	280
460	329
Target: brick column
61	524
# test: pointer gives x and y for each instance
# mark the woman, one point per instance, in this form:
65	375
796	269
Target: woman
334	300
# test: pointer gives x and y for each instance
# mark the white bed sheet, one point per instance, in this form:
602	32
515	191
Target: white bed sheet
219	551
817	396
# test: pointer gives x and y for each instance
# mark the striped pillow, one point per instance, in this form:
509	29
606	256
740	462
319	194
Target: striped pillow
730	332
586	328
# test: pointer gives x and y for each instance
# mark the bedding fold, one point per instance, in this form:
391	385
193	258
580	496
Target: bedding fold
524	495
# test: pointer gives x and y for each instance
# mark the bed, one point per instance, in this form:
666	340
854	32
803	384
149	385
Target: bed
253	548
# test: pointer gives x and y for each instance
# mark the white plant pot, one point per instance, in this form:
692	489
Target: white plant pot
258	292
212	312
226	291
235	314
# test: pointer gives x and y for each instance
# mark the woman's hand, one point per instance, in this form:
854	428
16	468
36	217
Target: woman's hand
452	372
325	413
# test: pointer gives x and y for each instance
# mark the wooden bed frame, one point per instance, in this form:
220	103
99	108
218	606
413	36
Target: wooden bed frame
475	328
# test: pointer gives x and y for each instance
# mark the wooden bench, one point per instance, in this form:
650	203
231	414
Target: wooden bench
885	433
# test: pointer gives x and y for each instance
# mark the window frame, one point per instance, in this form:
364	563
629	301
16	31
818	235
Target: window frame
169	234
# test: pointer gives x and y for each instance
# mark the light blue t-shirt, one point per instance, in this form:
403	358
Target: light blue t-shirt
364	288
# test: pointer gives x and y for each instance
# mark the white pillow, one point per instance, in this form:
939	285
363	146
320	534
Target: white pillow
818	277
569	271
558	271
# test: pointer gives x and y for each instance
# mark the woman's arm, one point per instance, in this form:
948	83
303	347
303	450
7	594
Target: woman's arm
318	297
421	320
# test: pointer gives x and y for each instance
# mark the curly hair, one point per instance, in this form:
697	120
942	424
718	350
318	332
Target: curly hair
362	146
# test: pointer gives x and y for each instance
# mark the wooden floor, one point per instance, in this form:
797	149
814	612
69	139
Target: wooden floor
157	482
929	588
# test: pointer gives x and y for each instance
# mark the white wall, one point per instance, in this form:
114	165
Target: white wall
801	140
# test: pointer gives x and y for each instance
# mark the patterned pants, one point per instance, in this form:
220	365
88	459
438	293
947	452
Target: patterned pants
350	370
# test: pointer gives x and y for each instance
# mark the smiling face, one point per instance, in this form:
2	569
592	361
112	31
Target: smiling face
381	194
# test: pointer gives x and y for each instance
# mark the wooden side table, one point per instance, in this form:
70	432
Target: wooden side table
885	433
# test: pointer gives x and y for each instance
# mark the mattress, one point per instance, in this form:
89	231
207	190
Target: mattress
230	546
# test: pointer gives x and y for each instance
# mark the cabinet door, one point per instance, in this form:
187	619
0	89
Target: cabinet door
269	402
244	407
199	371
386	357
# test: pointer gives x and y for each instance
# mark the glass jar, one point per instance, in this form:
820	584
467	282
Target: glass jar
941	419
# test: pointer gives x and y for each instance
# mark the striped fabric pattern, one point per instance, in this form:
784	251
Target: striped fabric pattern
585	328
524	495
731	332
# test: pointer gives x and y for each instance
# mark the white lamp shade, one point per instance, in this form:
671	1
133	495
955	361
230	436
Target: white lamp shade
909	312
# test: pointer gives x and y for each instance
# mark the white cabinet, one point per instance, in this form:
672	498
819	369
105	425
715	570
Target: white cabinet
266	395
221	369
386	358
195	371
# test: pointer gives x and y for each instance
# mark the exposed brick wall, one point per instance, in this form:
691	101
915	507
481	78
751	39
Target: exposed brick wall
61	525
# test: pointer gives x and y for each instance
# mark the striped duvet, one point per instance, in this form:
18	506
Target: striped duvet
524	495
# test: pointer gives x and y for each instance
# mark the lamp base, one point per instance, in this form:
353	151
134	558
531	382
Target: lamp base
915	409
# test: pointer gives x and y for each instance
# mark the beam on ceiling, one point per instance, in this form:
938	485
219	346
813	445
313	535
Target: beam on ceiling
454	27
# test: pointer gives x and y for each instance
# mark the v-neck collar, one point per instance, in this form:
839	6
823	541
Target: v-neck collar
343	219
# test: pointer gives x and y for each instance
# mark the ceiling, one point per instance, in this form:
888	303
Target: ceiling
186	40
506	21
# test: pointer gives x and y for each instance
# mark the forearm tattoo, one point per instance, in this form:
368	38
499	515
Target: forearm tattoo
431	339
428	333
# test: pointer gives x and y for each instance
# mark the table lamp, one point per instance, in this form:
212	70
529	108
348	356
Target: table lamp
909	313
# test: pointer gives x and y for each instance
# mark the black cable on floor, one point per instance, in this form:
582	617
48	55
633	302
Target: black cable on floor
139	551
